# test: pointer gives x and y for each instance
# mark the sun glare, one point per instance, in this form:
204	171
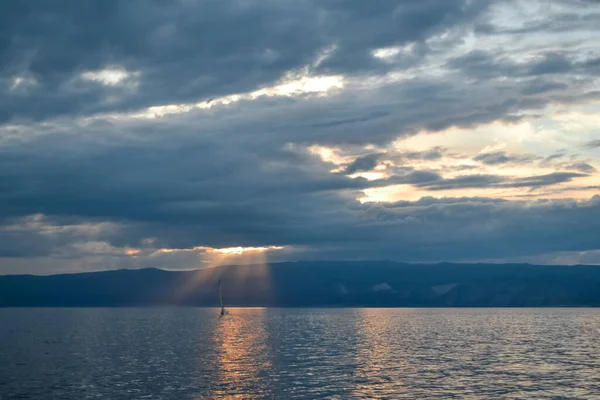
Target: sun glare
132	252
241	250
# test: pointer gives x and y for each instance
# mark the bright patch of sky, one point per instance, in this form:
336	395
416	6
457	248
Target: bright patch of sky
110	76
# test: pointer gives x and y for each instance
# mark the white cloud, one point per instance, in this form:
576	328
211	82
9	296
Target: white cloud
111	76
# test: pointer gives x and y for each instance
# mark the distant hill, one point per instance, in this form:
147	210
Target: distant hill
316	284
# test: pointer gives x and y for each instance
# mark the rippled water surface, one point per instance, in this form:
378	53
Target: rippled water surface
187	353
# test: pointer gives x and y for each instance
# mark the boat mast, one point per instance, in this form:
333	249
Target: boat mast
221	297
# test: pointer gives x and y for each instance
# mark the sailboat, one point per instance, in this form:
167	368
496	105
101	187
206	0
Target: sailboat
223	310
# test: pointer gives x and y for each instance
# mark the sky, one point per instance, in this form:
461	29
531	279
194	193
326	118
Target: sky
186	134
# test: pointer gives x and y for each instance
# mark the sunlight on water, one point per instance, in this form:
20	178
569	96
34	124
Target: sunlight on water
241	356
189	353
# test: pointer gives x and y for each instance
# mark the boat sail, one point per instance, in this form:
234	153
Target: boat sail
223	310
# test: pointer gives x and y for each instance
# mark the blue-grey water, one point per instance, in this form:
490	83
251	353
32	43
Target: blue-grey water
190	353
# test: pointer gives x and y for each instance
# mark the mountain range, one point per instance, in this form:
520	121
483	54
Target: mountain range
315	284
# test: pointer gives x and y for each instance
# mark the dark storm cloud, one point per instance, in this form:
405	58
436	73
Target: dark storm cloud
190	50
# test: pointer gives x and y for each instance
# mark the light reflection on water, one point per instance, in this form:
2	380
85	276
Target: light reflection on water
191	353
242	356
379	371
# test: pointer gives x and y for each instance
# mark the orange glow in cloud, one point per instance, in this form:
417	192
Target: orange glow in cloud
395	193
241	250
238	250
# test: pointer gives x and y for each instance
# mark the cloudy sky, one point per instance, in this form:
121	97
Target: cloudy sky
184	134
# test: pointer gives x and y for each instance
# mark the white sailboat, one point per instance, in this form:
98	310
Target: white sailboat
223	310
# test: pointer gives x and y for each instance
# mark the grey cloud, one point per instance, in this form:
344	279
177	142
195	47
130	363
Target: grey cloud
544	180
555	156
481	65
501	157
187	51
194	60
541	74
201	190
490	181
539	86
468	181
552	63
592	65
365	163
571	16
582	167
223	177
430	200
464	167
432	154
366	26
471	229
359	115
370	161
432	230
414	177
592	144
37	236
237	174
183	51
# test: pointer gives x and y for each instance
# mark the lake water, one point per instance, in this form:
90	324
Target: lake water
189	353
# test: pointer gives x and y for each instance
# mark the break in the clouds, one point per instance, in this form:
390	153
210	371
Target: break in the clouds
190	133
